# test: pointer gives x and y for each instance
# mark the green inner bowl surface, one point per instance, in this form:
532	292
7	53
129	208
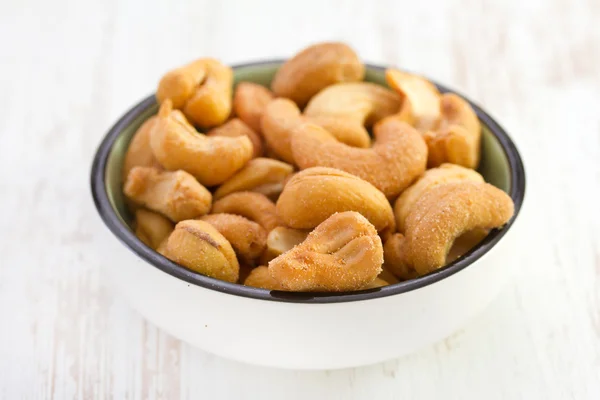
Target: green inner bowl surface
494	165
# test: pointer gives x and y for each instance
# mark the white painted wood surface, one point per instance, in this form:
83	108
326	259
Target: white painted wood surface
69	69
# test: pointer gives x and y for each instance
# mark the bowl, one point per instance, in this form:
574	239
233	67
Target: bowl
301	330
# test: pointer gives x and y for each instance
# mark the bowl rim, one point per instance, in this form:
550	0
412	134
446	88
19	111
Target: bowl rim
128	238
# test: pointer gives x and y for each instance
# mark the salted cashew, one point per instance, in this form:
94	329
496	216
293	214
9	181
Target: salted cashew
281	116
420	99
465	242
262	175
377	282
236	127
139	153
445	173
343	253
197	245
212	160
201	89
315	68
441	215
280	240
249	102
176	195
152	228
260	278
363	103
457	139
247	238
314	194
254	206
393	257
397	158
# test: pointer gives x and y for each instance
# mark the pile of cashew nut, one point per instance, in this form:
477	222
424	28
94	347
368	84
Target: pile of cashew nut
321	182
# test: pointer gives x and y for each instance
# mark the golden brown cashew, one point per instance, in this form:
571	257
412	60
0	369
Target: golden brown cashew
280	240
377	282
262	175
177	195
421	99
363	103
281	116
313	195
202	89
343	253
254	206
197	245
247	238
397	157
152	228
445	173
394	258
139	153
457	139
236	127
386	274
260	278
444	213
249	103
315	68
212	160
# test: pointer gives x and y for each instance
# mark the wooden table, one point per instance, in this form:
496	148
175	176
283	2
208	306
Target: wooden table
70	69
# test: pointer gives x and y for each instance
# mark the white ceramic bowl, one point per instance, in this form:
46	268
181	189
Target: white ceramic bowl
302	330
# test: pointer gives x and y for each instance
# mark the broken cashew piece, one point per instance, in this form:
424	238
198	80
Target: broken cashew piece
152	228
457	139
445	173
377	282
197	245
443	214
201	89
315	68
236	127
262	175
314	194
249	103
177	195
139	153
280	240
212	160
247	238
397	158
343	253
254	206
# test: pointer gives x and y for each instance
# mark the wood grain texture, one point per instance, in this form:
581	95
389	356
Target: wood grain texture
70	69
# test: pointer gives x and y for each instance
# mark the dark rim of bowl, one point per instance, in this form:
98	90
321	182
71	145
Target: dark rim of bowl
128	238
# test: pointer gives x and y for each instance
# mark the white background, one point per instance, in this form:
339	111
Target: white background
68	70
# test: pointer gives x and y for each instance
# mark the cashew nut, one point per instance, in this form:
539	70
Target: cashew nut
377	282
249	103
445	173
398	156
212	160
139	153
197	245
280	240
202	89
315	68
260	278
314	194
236	127
262	175
254	206
247	238
342	253
177	195
152	228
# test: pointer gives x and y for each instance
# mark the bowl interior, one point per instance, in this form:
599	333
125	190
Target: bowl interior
494	165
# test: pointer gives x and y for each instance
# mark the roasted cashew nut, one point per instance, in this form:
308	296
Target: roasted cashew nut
249	103
139	153
247	238
262	175
254	206
397	158
260	278
315	68
177	195
314	194
445	173
443	214
343	253
236	127
152	228
212	160
197	245
280	240
201	89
